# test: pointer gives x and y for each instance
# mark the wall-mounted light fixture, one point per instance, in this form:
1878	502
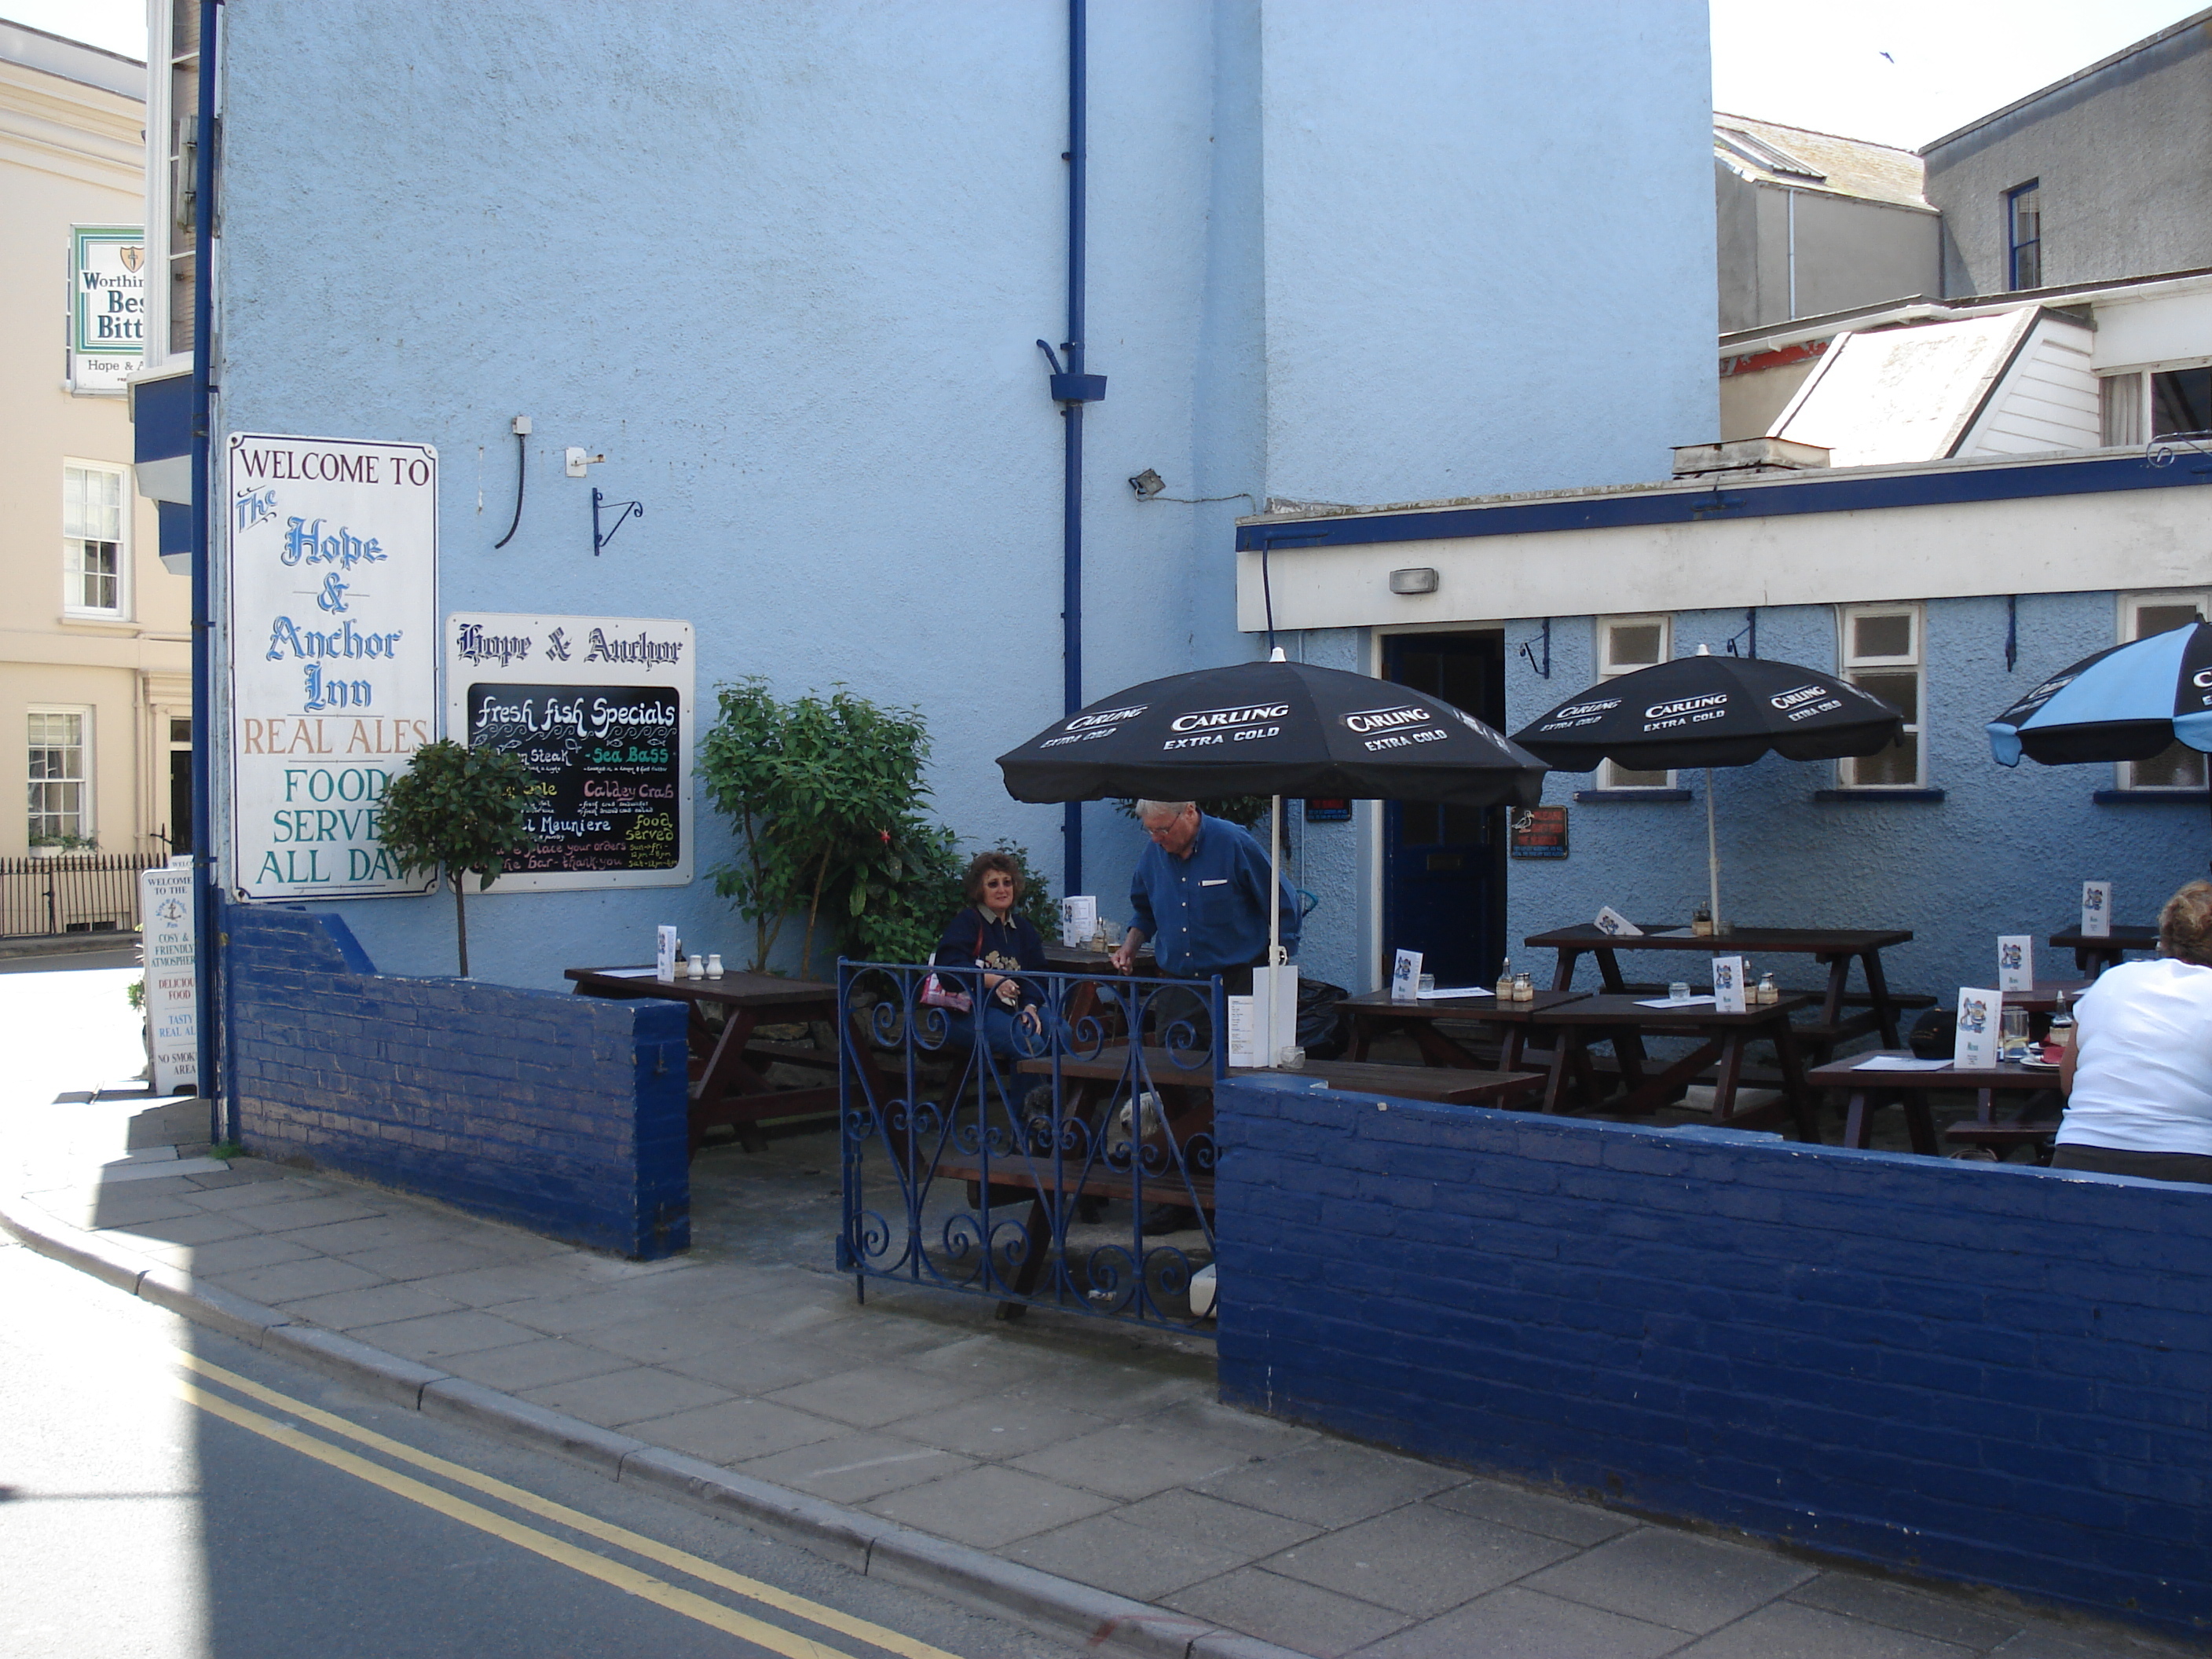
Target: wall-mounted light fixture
1147	484
1418	579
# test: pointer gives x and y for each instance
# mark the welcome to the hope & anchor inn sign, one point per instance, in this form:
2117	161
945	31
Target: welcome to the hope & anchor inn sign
332	580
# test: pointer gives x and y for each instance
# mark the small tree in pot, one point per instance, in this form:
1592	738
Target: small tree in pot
455	810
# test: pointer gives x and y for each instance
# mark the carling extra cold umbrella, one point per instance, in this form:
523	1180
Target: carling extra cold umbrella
1712	711
1272	729
2128	702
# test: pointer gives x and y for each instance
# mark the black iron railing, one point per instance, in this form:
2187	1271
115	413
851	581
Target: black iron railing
72	893
1073	1169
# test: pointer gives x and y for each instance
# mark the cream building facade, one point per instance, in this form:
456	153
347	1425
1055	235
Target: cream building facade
95	655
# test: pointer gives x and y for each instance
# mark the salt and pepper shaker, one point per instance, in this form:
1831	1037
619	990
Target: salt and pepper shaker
1701	920
696	967
1505	980
714	966
1769	992
1524	988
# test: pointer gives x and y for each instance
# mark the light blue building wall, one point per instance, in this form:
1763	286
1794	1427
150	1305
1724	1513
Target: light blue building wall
783	265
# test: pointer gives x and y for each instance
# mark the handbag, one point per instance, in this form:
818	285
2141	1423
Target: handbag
936	994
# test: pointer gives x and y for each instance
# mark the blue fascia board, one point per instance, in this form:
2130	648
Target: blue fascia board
1832	494
161	416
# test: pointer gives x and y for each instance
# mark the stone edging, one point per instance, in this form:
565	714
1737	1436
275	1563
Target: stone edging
1101	1621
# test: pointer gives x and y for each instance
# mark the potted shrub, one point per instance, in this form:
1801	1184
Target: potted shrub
458	810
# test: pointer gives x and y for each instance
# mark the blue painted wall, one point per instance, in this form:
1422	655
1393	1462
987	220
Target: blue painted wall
565	1114
786	273
2006	851
1993	1373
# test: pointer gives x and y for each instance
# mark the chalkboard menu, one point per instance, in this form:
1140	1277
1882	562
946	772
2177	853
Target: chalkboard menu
599	709
607	760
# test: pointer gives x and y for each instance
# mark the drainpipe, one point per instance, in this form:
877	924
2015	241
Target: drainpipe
207	898
1072	388
1791	197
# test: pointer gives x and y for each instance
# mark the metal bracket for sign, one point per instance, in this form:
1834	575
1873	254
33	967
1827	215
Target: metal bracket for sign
627	510
2163	450
1544	668
1748	633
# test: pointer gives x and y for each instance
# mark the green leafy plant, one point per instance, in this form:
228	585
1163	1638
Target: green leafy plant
826	797
135	993
455	810
227	1151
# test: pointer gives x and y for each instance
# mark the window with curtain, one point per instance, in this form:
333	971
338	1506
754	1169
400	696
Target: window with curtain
93	504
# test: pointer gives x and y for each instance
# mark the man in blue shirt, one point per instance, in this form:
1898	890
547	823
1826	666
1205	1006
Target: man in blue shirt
1201	895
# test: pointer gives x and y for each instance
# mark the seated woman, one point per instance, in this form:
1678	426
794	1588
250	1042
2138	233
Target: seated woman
988	935
2138	1079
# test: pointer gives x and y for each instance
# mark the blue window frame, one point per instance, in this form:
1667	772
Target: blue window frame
2024	235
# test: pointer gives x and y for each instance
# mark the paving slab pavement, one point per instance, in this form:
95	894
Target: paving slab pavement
1072	1471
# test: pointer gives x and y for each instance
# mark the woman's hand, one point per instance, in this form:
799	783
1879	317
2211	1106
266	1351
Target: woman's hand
1008	991
1030	1019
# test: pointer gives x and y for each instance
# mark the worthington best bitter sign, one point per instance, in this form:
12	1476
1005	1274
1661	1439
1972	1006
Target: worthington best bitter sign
332	583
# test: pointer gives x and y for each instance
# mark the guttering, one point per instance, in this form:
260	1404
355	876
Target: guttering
207	897
1854	491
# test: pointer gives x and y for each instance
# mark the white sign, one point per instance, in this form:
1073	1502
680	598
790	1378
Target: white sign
1727	985
1243	1033
1612	923
332	623
107	306
2097	908
1977	1041
600	709
1406	977
165	910
2016	962
664	952
1078	919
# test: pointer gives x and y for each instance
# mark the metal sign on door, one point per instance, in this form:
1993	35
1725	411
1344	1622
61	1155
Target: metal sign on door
332	587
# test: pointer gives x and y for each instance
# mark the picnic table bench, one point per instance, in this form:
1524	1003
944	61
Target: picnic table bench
1867	1091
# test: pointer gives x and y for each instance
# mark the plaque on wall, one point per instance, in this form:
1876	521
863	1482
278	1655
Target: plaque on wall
1539	832
599	709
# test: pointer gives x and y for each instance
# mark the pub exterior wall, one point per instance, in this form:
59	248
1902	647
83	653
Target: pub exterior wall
787	279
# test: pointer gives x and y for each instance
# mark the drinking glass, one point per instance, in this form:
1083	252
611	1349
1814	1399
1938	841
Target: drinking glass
2012	1035
1679	991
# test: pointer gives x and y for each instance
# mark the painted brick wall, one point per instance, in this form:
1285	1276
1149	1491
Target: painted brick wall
1991	1373
562	1113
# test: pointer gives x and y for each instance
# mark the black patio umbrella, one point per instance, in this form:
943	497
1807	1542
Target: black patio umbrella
1272	729
1712	711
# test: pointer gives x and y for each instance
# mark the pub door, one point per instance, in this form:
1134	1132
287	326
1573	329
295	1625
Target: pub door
1443	867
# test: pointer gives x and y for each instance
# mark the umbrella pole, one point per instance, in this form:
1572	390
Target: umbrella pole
1712	854
1275	884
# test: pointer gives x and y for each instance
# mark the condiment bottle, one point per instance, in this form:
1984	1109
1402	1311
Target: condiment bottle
1505	980
1701	920
1769	991
2060	1037
714	966
696	968
1524	988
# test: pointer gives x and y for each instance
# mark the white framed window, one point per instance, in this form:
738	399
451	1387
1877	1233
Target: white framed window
1625	644
2142	616
1882	650
95	540
59	756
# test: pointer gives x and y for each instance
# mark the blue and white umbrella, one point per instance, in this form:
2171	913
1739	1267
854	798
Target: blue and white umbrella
2128	702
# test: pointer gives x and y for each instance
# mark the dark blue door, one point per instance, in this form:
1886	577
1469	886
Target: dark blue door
1443	867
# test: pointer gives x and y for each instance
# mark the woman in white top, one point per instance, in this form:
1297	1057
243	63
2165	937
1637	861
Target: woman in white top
2138	1079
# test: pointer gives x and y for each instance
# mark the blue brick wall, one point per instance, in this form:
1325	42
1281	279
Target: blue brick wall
565	1114
1993	1373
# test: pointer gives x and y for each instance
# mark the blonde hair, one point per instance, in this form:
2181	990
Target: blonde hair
2185	926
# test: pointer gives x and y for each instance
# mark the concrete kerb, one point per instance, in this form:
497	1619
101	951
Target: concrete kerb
1103	1622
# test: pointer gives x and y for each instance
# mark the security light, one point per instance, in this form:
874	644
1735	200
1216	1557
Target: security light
1147	484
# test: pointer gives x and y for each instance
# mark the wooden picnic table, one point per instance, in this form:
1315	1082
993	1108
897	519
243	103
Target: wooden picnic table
1371	1016
1867	1091
728	1087
1625	1021
1835	949
2094	952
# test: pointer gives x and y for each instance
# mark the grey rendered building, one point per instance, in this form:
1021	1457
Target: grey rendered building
2104	175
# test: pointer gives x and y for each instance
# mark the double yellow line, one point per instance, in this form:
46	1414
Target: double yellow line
773	1637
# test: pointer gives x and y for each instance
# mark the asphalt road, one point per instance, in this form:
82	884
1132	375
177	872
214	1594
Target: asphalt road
167	1492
